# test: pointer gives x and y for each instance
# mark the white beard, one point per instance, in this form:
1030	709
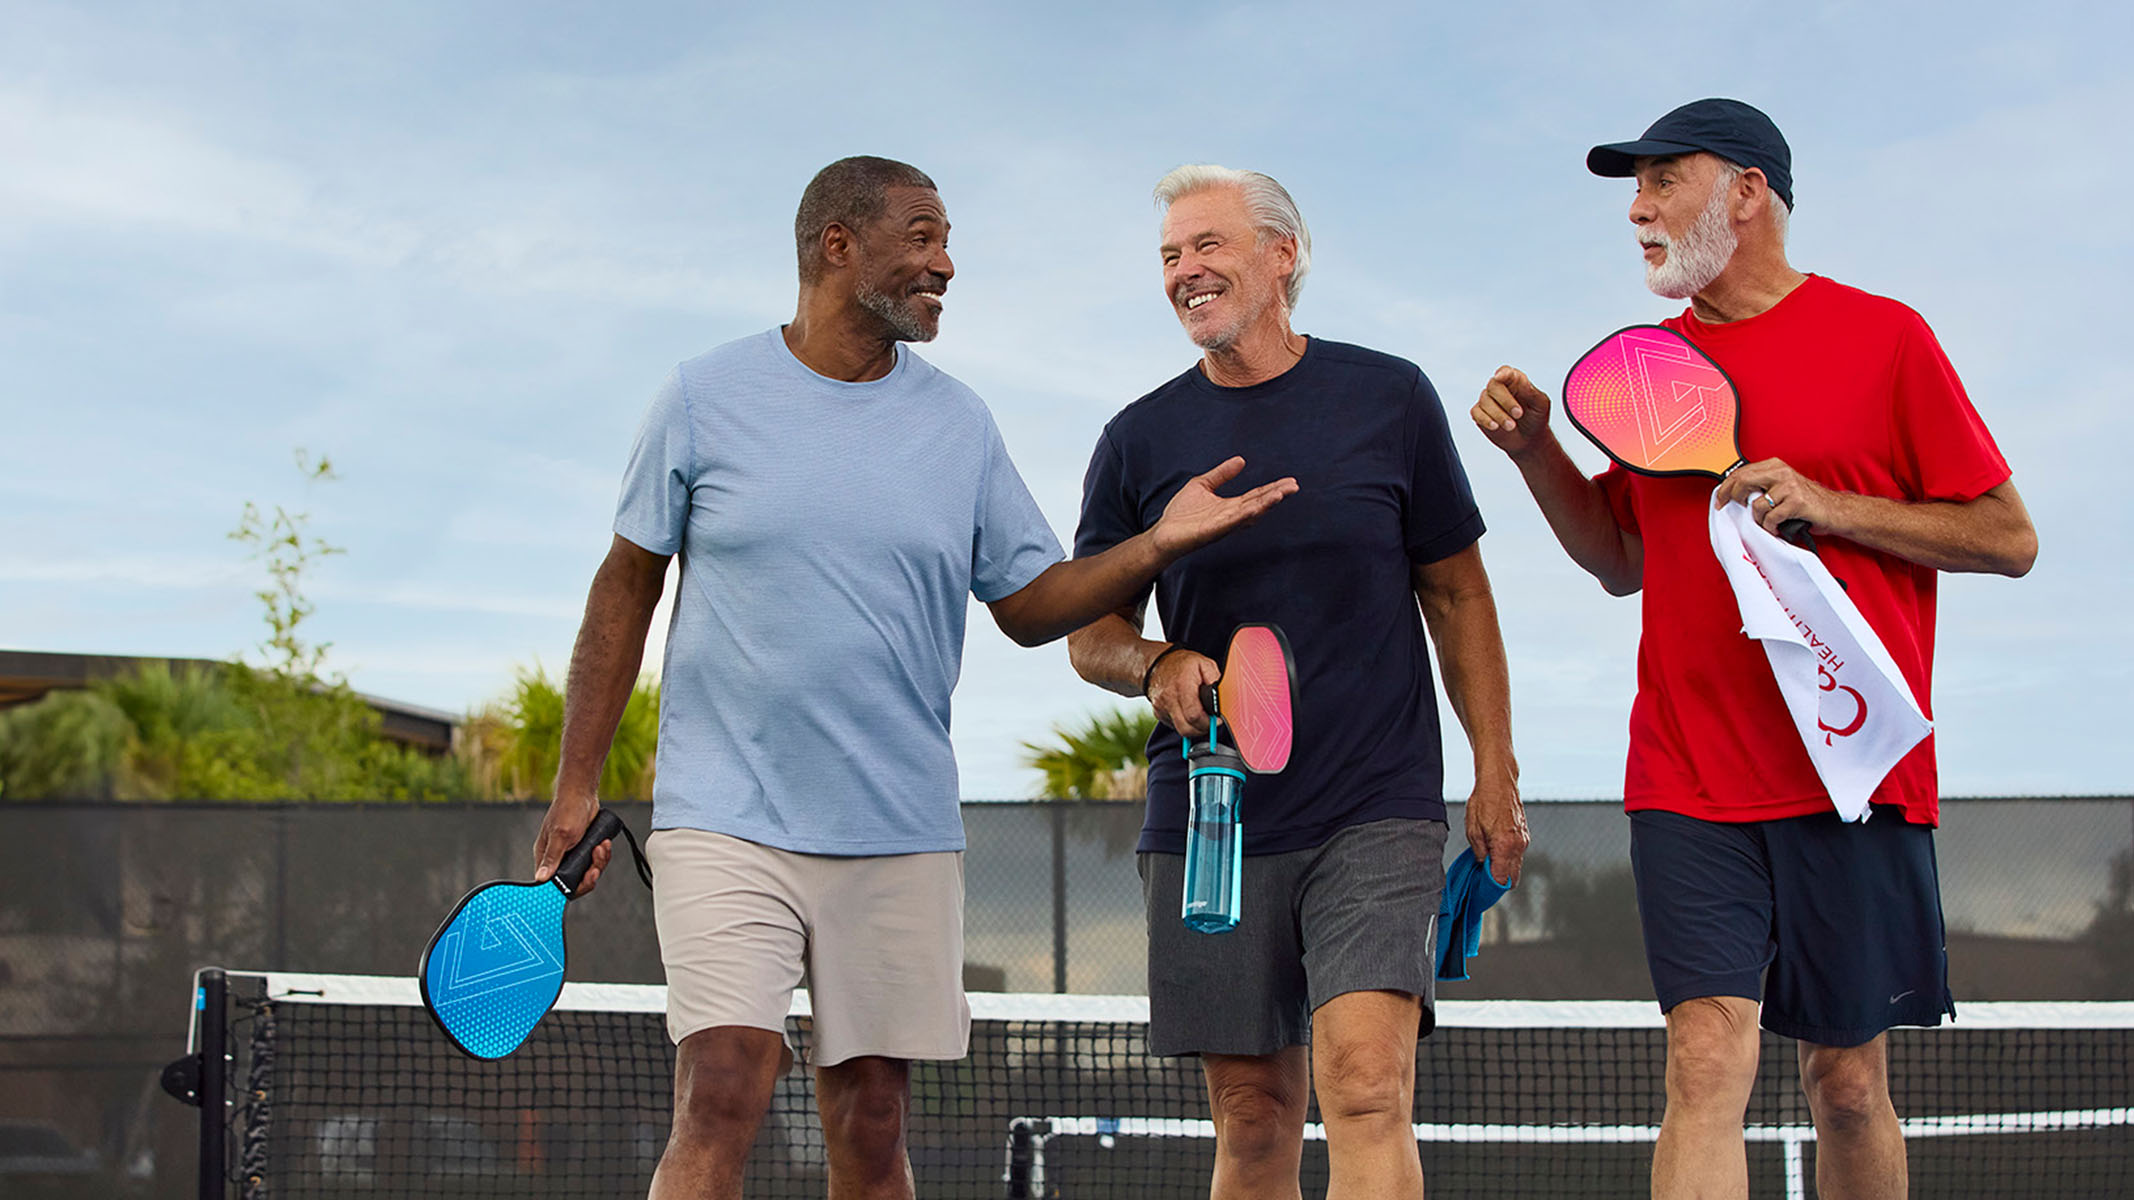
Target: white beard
1696	258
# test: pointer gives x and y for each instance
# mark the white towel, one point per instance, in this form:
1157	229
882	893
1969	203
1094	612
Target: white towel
1850	702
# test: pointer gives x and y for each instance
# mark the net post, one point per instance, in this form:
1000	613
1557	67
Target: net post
214	1002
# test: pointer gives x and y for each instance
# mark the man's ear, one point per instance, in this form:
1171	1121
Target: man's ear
1285	262
838	246
1752	192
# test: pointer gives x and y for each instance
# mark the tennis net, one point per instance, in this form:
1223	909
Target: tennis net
341	1087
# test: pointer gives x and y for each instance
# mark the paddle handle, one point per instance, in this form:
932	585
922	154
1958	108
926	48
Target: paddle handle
1795	530
1792	529
571	871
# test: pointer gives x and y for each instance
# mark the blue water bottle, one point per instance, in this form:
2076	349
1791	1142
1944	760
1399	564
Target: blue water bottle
1215	837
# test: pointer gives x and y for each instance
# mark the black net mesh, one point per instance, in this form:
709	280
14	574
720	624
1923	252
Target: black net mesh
369	1100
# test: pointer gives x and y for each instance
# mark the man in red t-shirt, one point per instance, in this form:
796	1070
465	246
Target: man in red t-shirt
1750	887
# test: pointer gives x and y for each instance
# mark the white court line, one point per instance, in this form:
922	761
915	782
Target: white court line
1790	1138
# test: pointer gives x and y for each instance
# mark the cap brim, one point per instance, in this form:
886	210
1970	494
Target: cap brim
1619	160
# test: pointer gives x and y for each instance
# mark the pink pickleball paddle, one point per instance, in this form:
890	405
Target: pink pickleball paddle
1658	405
1654	403
1257	697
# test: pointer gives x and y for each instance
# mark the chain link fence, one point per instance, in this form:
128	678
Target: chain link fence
106	911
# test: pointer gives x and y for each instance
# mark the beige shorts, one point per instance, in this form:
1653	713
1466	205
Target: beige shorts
881	940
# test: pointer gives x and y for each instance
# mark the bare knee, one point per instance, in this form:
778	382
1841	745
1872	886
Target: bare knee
722	1083
865	1102
1364	1081
1848	1086
1254	1122
1258	1108
1712	1045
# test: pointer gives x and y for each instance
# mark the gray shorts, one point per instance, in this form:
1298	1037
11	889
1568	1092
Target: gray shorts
1357	913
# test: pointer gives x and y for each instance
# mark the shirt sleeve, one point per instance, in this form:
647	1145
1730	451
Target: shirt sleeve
1109	515
1011	543
1442	518
1943	450
654	509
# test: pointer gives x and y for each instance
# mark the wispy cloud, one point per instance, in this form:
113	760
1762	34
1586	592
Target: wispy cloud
457	247
151	572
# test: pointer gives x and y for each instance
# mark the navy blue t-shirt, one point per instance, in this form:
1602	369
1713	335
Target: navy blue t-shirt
1381	489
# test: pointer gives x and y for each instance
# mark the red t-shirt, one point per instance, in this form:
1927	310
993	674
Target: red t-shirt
1852	391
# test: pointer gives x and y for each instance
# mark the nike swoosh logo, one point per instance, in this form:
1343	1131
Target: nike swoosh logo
1901	995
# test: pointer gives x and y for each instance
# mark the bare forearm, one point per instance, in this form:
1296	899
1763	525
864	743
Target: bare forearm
1071	594
1461	614
1111	653
1579	516
1991	534
604	665
1470	649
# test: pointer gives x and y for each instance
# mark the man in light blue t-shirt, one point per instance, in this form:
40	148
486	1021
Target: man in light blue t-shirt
834	498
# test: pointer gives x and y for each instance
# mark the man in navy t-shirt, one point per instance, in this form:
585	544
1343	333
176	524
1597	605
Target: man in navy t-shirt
1345	847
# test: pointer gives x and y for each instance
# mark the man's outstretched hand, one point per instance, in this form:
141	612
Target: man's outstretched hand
1197	515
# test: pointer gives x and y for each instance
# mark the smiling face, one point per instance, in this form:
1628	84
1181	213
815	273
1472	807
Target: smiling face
1221	277
903	265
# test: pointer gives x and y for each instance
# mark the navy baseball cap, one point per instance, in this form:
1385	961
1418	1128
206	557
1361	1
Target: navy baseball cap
1734	131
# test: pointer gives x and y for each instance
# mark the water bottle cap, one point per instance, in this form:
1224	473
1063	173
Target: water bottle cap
1218	757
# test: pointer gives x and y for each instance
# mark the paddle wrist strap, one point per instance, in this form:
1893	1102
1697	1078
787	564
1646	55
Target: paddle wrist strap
1149	675
644	871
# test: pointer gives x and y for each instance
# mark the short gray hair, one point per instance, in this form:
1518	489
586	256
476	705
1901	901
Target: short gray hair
1729	171
1273	212
850	192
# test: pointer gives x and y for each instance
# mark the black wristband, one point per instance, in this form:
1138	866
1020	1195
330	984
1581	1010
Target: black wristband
1150	674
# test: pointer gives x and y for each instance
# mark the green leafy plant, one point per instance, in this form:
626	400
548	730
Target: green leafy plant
284	544
219	732
285	730
227	731
523	738
1104	759
67	744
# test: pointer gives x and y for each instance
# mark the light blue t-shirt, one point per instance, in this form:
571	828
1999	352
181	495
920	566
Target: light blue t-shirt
830	534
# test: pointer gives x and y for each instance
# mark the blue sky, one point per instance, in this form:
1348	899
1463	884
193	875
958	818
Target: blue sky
456	246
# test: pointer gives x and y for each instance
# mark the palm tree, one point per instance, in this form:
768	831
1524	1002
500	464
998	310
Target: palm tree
1105	759
520	747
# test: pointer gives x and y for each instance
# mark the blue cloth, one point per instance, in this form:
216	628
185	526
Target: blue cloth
831	535
1469	891
1382	490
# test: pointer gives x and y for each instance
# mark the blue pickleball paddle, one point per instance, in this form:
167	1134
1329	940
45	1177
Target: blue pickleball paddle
494	968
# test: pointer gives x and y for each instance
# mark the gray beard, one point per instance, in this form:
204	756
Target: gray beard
908	326
1223	339
1216	339
1696	258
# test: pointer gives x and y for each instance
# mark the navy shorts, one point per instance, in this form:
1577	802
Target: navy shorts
1835	927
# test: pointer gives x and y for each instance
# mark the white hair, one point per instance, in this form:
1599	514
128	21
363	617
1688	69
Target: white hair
1268	203
1729	171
